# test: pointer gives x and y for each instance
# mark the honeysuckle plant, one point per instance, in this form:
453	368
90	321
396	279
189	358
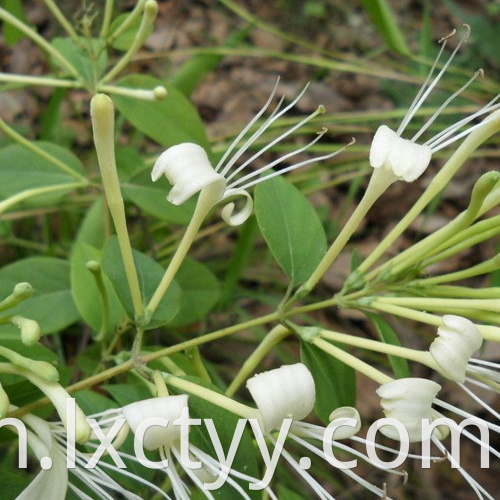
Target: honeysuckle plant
142	304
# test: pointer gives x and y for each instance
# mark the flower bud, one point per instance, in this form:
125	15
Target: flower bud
406	159
458	338
168	408
286	392
188	169
409	400
30	330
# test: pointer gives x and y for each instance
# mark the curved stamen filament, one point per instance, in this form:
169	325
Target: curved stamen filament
247	128
275	116
318	111
413	109
241	180
431	120
297	165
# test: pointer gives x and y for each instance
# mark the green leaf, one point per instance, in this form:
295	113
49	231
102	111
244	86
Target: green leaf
151	197
23	169
169	122
10	33
86	294
383	18
149	273
78	55
286	494
388	335
92	230
52	303
290	227
200	291
335	381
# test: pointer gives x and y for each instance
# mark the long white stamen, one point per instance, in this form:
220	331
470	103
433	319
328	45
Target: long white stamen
425	94
478	489
181	492
485	363
275	116
480	384
431	120
278	161
476	398
389	449
79	493
216	467
465	132
247	128
465	414
192	476
317	488
480	442
297	165
370	487
268	146
424	86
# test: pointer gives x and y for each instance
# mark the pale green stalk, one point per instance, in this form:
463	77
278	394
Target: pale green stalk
21	292
490	126
95	268
56	12
103	122
38	80
461	292
40	41
207	198
418	251
136	12
10	132
431	302
422	357
488	332
106	20
485	267
148	19
30	193
155	94
40	368
147	358
220	400
352	361
380	180
273	338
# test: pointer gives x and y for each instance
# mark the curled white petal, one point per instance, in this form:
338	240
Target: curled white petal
458	339
238	218
286	392
407	160
188	169
345	431
409	400
51	483
168	408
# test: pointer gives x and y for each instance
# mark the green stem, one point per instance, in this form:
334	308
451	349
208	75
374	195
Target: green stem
38	80
148	19
490	126
352	361
95	268
380	180
40	41
213	397
488	332
136	12
205	203
10	132
147	358
460	292
373	345
106	20
62	20
102	114
485	267
273	338
30	193
156	94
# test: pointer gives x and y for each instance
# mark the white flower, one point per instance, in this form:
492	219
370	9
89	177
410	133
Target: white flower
409	400
188	168
167	441
288	392
406	158
458	339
